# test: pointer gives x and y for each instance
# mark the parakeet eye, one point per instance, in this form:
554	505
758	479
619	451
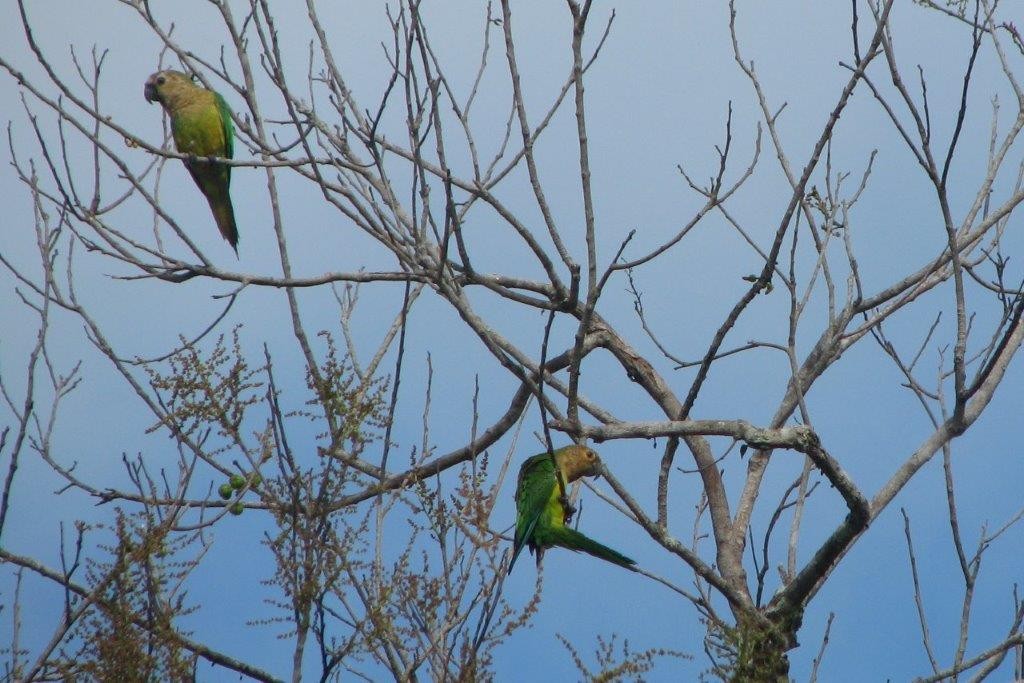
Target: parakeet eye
160	80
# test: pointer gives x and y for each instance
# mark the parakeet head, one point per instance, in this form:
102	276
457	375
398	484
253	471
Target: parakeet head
164	85
578	461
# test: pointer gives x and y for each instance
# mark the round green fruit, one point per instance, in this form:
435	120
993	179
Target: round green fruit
225	491
236	508
237	481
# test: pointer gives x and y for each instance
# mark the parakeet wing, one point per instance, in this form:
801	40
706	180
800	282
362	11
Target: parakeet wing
533	490
227	125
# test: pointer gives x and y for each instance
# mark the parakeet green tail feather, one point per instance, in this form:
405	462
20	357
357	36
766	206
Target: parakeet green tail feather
574	540
224	215
515	555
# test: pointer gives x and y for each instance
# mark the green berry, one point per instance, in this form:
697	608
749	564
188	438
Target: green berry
236	508
255	479
237	481
225	491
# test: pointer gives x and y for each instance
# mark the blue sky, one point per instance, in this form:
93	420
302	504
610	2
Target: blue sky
656	99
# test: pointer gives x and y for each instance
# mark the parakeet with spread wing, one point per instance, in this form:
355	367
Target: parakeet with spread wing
542	510
201	125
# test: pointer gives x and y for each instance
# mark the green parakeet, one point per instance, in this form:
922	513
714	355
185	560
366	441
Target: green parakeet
542	511
201	125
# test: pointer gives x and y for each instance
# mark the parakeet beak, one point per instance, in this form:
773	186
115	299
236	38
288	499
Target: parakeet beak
149	92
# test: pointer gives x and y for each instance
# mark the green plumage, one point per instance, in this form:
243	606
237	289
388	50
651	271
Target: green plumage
542	512
201	125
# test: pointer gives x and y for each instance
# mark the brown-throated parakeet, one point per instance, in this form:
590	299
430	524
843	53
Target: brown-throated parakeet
201	125
542	510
